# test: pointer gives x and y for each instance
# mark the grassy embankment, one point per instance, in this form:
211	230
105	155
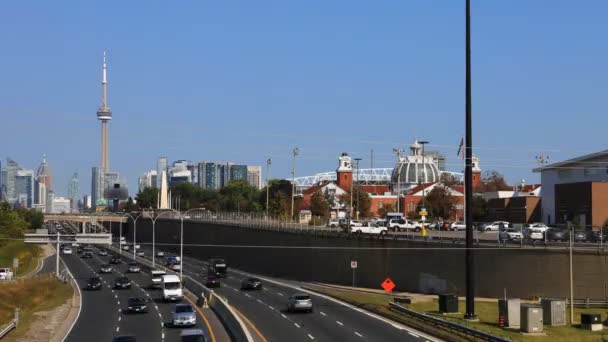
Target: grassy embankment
486	311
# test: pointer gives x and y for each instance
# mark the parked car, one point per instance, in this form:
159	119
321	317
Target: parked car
533	235
134	268
251	284
105	268
94	284
299	302
556	234
496	226
213	281
137	305
510	234
183	315
460	225
122	283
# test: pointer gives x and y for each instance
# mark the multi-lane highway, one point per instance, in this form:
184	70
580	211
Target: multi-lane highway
265	312
103	314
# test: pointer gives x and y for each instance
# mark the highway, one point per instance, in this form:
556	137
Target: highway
265	312
102	315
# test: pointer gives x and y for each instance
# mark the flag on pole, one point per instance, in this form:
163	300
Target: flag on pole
460	149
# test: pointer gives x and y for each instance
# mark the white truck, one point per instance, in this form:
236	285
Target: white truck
369	228
172	288
157	278
400	225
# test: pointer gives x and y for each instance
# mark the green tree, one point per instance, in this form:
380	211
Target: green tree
319	206
439	201
147	198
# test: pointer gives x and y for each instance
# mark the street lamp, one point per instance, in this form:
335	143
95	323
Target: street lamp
357	160
268	162
296	152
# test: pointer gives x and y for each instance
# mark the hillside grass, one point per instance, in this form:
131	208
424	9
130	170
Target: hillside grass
31	295
486	311
28	255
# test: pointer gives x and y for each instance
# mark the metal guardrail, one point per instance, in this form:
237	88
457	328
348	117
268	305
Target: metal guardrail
10	326
474	333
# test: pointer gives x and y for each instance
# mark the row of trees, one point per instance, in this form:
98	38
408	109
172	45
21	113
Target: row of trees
14	222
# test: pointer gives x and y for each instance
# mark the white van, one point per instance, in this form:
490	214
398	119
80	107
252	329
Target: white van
172	288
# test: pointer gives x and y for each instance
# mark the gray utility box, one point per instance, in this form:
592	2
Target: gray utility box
554	311
509	309
448	303
531	318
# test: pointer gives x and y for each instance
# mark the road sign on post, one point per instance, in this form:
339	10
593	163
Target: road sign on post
388	285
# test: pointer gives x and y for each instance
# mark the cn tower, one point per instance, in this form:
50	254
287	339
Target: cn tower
104	114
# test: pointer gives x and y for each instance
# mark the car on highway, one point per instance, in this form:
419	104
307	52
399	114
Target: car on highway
137	305
251	284
115	260
160	254
106	268
103	252
122	283
86	255
460	225
183	315
66	251
193	335
510	234
495	226
533	235
134	268
124	338
213	280
299	302
556	234
94	283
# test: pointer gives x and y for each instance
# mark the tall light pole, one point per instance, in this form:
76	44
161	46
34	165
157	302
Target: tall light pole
296	152
268	163
357	160
468	177
398	151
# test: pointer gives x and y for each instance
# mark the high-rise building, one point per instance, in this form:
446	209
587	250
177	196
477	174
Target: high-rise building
73	191
254	176
161	166
24	188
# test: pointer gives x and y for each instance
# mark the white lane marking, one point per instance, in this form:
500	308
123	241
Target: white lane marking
411	333
340	323
283	315
311	337
356	333
297	325
323	313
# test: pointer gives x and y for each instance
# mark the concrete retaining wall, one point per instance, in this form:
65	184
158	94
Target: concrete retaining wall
524	273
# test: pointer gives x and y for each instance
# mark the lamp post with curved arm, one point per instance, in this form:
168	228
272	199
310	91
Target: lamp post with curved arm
134	232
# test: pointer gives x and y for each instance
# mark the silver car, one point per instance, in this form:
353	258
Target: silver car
299	302
183	315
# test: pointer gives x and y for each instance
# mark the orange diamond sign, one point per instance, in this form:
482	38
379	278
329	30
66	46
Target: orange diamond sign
388	285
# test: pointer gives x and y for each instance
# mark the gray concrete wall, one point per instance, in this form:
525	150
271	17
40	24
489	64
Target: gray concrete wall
412	266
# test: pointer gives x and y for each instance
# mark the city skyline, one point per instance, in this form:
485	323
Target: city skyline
392	92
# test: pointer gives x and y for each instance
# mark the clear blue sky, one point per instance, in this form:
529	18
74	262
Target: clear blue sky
245	80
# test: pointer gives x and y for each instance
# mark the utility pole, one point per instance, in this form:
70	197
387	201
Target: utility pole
268	162
468	177
296	152
357	160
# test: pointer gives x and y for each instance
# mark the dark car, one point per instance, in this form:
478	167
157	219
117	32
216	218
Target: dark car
137	305
213	281
122	283
94	284
124	338
115	260
555	234
251	284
